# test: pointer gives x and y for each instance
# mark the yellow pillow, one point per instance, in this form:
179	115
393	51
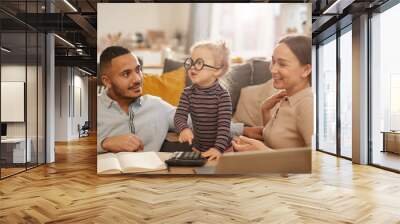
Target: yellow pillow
168	86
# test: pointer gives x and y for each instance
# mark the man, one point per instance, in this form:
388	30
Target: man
128	121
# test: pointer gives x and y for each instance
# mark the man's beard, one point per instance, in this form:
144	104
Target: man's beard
122	93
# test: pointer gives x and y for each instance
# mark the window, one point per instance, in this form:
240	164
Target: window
327	96
346	94
385	86
252	30
394	101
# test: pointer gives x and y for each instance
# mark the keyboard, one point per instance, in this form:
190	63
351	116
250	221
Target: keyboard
186	159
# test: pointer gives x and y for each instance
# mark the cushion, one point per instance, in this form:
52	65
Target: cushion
254	72
171	64
248	110
260	71
169	86
238	77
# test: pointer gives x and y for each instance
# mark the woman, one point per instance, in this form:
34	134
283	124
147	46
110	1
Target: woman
288	115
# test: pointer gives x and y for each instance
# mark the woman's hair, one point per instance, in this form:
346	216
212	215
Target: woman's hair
300	45
219	50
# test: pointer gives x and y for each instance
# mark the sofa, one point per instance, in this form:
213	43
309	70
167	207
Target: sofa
252	72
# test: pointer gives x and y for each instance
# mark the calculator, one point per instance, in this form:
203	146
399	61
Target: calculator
186	159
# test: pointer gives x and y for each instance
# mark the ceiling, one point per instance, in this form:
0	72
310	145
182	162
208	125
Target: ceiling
330	15
72	20
76	22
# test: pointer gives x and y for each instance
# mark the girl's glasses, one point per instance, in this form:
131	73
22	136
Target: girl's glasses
198	64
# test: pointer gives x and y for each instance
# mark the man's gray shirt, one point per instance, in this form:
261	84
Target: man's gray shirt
153	118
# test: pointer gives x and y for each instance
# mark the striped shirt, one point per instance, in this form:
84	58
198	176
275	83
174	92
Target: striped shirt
211	112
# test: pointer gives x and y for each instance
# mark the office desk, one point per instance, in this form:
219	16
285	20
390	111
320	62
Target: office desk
290	160
391	141
13	150
178	170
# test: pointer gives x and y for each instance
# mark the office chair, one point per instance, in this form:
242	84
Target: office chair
84	130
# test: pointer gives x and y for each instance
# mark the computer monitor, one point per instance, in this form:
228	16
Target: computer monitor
3	129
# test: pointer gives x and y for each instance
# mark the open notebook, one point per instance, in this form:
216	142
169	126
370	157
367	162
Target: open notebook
129	162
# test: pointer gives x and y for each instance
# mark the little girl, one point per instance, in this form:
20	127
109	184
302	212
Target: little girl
208	104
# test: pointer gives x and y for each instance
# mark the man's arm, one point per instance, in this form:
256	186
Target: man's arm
237	129
108	138
118	143
99	143
254	132
122	143
101	132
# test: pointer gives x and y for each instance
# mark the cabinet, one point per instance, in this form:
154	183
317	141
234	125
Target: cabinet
13	150
391	141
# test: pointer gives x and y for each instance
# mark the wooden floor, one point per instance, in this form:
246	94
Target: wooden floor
10	171
69	191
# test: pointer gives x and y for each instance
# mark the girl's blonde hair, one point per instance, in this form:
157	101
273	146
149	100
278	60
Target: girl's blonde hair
220	51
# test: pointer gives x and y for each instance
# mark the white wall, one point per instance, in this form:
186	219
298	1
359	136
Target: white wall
291	16
68	81
34	125
15	73
61	103
129	19
80	83
140	17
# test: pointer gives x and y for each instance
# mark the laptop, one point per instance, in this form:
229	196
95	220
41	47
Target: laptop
294	160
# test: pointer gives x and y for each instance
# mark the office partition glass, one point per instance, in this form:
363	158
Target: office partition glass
346	93
31	97
13	87
22	64
314	88
31	86
385	89
327	96
41	109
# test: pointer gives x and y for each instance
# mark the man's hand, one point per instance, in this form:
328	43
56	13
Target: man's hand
212	154
254	132
186	136
123	143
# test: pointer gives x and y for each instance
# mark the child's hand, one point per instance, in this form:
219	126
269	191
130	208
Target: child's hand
186	136
212	154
